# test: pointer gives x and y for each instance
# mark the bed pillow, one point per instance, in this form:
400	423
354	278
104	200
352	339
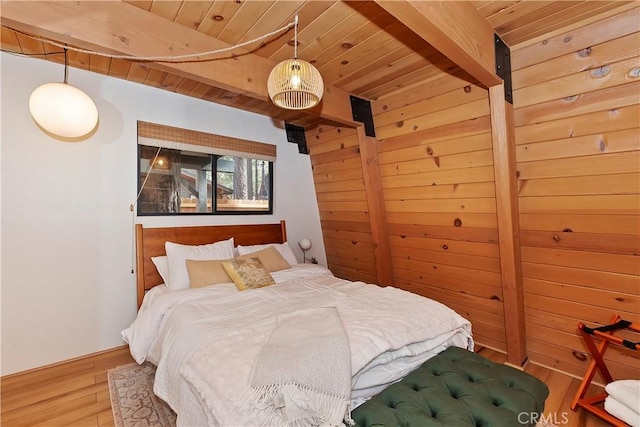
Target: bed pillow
206	272
283	248
178	255
270	258
162	265
248	273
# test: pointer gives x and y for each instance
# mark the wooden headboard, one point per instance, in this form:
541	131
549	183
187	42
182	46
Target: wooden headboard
150	243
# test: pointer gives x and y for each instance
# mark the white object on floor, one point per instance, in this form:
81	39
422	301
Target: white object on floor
621	411
626	392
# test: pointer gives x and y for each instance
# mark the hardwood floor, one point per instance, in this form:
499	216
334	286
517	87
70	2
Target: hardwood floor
76	393
73	393
562	389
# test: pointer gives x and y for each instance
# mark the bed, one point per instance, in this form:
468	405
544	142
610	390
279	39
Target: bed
278	354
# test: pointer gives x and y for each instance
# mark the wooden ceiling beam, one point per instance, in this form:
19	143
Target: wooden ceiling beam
120	28
456	29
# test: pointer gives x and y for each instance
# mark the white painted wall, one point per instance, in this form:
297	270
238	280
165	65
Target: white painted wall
67	287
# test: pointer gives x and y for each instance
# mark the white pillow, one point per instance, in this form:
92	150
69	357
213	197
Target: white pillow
179	254
162	265
283	248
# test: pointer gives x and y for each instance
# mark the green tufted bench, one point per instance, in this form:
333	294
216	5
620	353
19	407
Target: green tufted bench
457	388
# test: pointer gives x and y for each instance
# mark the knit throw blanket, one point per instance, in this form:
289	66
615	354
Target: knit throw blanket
303	375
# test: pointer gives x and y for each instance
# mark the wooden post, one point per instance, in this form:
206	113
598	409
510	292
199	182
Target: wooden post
504	165
375	202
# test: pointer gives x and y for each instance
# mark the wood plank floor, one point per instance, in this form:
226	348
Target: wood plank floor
562	389
76	393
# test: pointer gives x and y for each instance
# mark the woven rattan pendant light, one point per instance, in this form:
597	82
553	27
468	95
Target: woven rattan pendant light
295	84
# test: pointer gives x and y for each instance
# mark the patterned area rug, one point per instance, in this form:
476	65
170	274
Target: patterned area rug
135	405
132	399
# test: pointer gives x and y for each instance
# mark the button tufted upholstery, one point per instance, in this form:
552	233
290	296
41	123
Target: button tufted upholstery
457	388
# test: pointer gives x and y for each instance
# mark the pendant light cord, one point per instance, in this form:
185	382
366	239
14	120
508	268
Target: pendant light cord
295	37
146	177
66	66
133	215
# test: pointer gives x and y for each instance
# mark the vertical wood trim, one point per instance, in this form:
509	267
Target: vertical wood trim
375	203
504	166
283	226
139	264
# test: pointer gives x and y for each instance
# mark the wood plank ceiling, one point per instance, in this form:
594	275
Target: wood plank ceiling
357	46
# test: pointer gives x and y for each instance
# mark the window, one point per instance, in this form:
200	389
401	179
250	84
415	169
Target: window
243	184
181	179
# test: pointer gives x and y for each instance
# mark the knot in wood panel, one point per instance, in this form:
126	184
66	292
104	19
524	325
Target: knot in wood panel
579	355
583	53
600	72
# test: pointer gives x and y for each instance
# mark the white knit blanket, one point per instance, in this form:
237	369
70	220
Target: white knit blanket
302	376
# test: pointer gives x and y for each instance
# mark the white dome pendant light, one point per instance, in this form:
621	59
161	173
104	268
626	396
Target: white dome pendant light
295	84
62	109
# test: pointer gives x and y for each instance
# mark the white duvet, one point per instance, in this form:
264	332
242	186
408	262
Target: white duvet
205	341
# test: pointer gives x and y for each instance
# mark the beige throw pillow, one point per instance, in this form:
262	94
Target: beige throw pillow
270	258
178	254
248	273
283	248
206	272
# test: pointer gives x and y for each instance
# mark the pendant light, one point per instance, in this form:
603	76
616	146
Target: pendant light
62	109
295	84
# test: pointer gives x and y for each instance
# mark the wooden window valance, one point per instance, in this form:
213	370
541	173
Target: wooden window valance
170	137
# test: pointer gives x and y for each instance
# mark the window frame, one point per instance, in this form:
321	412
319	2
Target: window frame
214	146
214	206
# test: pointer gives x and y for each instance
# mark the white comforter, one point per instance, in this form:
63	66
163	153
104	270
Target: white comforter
205	341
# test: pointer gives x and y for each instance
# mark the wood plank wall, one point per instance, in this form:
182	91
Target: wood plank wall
438	185
342	202
576	99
